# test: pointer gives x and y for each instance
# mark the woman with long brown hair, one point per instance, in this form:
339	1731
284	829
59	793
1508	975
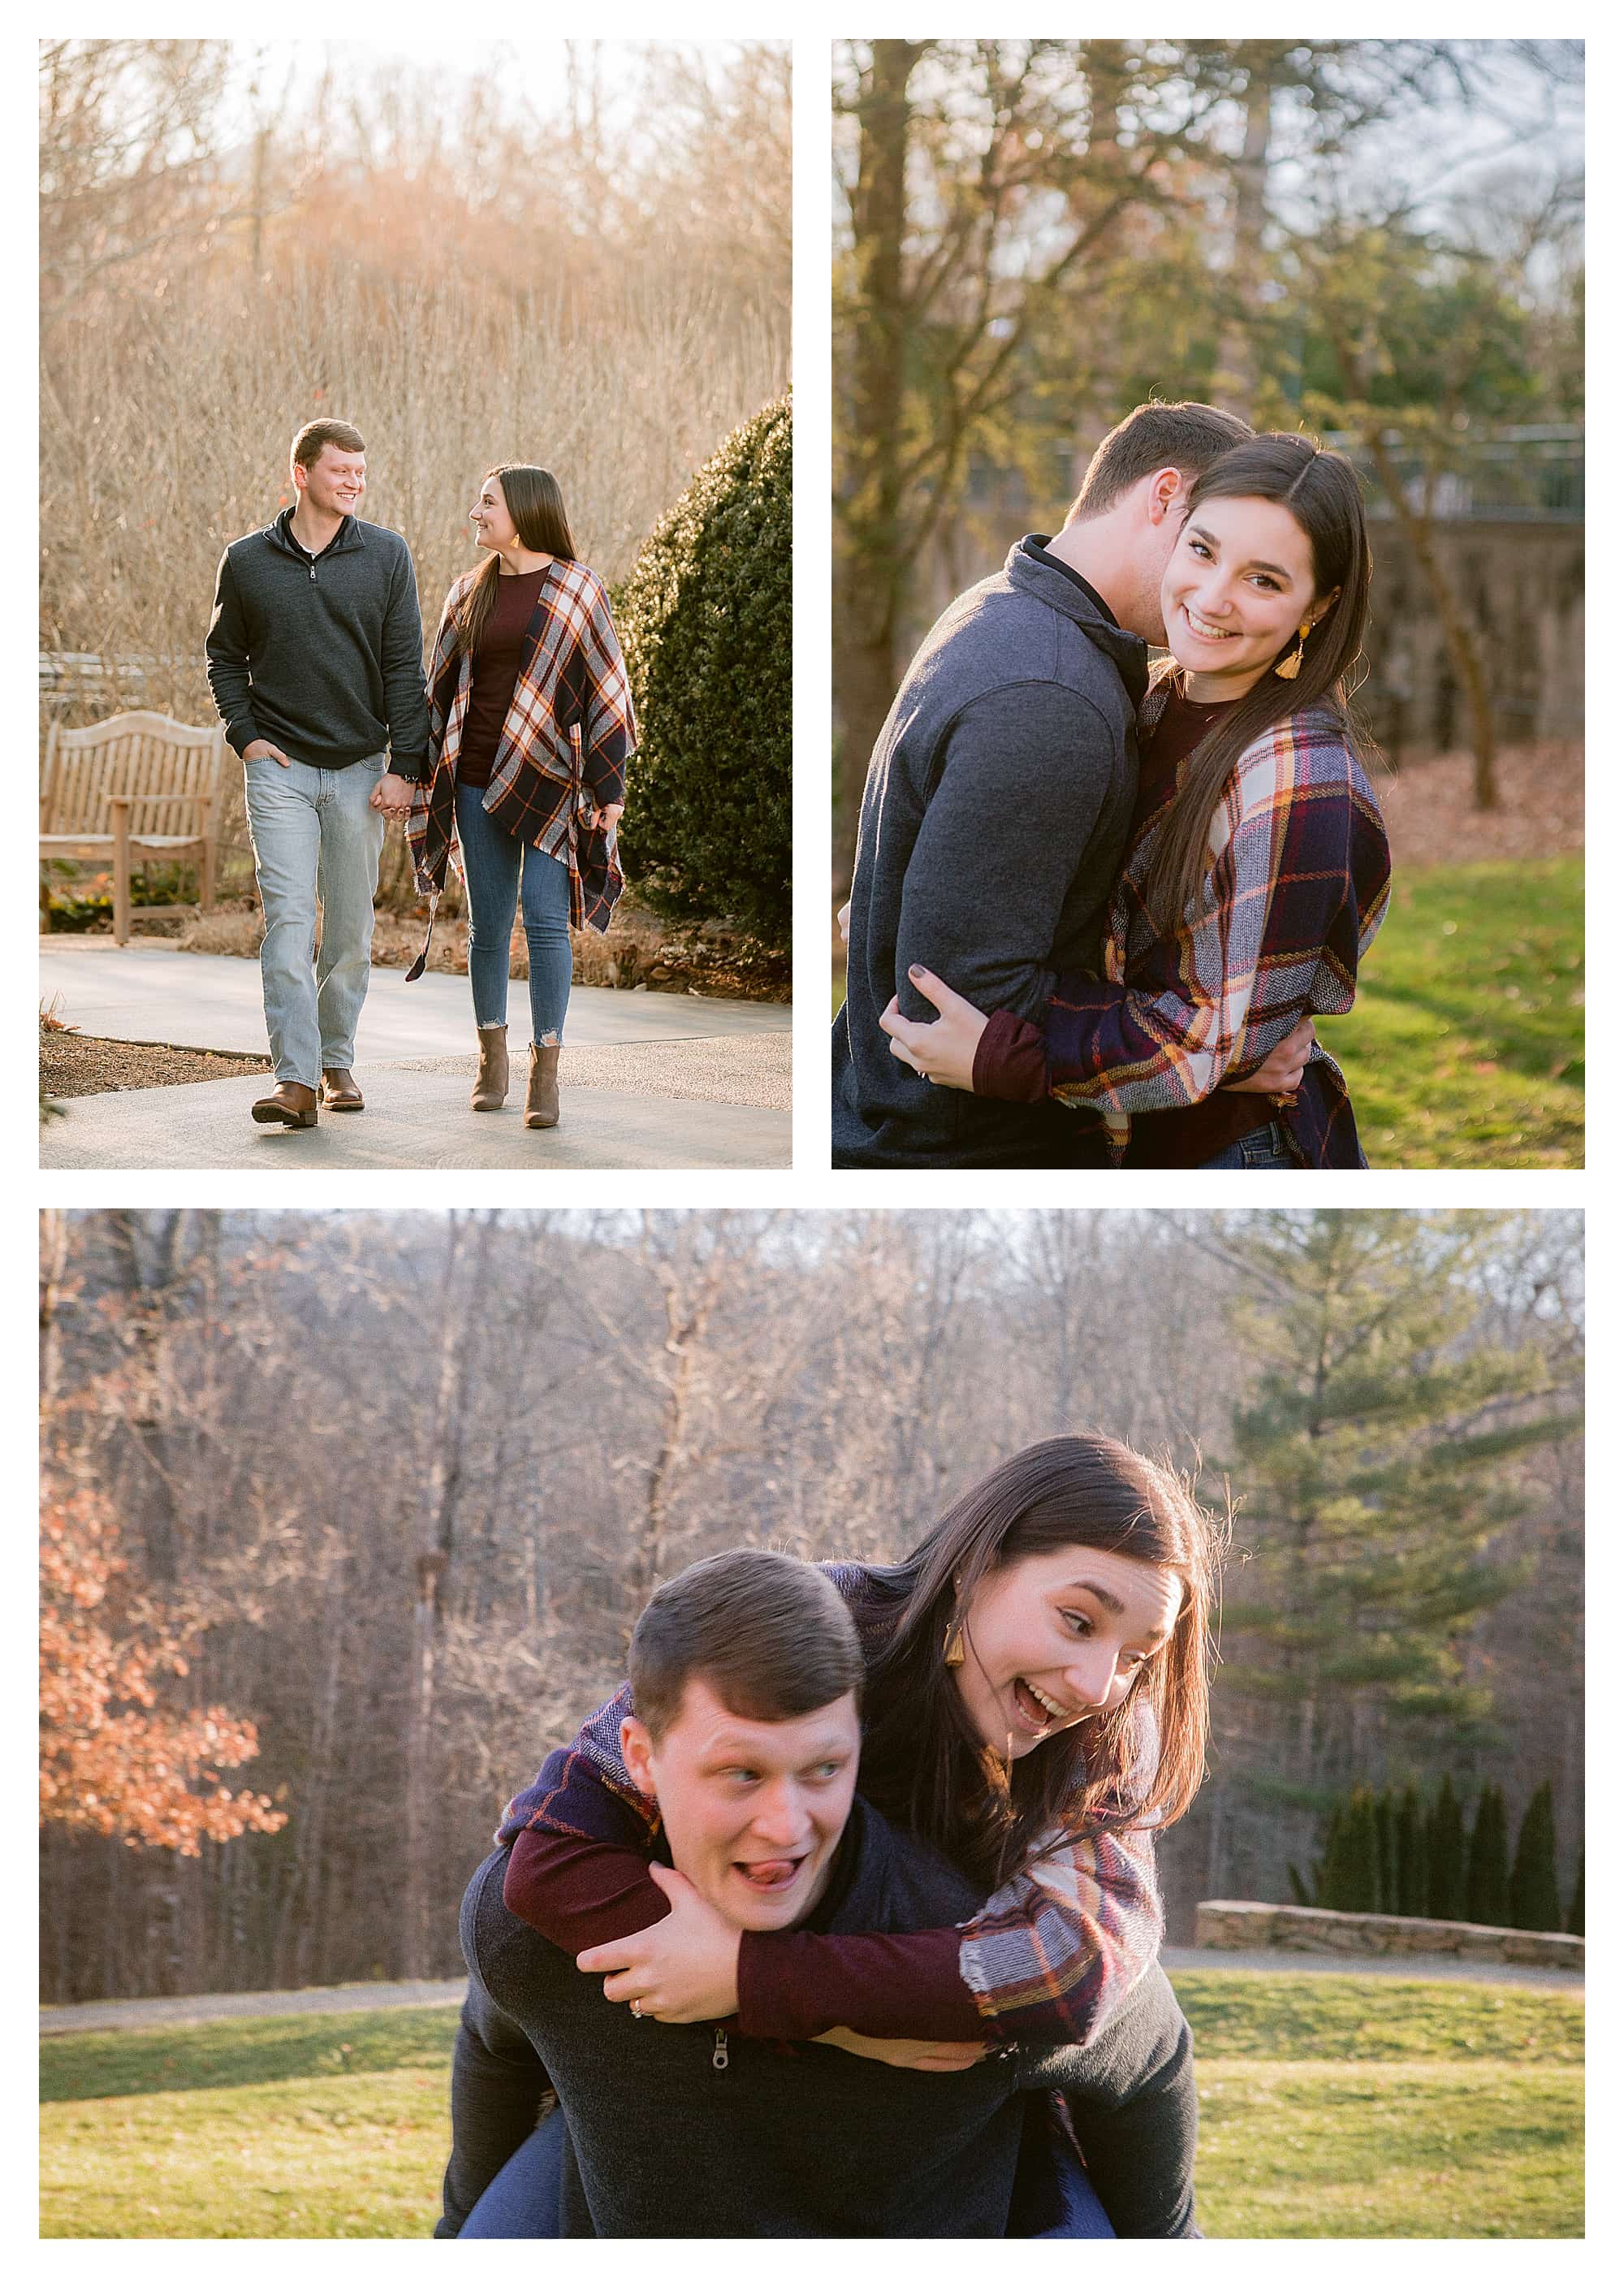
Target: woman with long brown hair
1257	868
530	727
1034	1704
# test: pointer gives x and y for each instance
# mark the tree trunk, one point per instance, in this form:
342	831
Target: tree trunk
871	561
1234	385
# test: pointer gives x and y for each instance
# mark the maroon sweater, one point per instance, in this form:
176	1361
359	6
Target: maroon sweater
1011	1061
792	1985
496	662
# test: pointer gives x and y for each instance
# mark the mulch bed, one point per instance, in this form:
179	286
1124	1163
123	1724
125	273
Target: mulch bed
73	1067
1427	807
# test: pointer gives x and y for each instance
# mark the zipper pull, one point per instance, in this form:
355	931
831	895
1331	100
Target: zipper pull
719	2054
312	573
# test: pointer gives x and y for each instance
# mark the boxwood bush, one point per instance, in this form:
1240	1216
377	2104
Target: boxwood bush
704	620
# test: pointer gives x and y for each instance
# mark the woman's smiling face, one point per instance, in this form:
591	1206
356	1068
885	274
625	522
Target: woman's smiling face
1238	583
1058	1637
493	525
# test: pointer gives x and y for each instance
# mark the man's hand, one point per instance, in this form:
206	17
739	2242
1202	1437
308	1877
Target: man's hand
604	818
262	748
392	794
682	1970
1282	1071
942	1050
916	2056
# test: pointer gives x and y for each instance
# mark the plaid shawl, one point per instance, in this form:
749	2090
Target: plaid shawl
1296	894
565	743
1052	1955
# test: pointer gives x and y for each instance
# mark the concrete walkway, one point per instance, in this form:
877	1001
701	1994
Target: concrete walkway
652	1081
446	1992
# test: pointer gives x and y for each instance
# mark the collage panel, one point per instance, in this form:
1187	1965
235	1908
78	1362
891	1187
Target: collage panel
892	1724
415	604
1208	604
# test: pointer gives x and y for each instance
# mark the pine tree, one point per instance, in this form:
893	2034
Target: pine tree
1378	1453
1488	1868
1446	1855
1352	1883
1533	1901
1409	1874
1384	1853
1575	1912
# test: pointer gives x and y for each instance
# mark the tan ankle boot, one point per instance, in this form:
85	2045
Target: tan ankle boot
490	1084
541	1100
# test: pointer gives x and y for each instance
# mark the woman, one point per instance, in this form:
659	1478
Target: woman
1257	867
530	727
1035	1701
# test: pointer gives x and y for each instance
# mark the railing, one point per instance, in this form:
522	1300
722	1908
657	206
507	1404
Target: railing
1518	474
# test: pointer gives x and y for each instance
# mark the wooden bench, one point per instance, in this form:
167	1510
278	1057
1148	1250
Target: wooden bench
141	786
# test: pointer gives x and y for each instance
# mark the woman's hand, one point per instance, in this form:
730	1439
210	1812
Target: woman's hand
944	1050
682	1970
842	918
916	2056
604	818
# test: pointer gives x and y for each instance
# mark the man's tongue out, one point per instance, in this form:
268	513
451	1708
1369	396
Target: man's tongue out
768	1874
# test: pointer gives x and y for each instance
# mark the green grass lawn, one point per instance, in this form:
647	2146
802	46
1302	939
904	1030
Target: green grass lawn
1466	1049
1330	2108
1467	1046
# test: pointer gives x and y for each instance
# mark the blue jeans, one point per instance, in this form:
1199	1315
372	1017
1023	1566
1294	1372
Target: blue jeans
316	840
492	862
1262	1149
523	2202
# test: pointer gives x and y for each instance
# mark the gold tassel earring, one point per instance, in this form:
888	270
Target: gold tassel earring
953	1647
1289	667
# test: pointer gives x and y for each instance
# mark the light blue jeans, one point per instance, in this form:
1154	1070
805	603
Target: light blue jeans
492	861
316	841
1262	1149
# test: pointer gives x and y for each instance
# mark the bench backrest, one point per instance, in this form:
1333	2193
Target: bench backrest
161	762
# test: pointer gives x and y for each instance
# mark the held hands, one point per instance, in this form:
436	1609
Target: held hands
683	1969
943	1050
916	2056
392	795
604	818
842	918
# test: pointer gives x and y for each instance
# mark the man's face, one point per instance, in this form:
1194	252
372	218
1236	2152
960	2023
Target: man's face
334	479
753	1812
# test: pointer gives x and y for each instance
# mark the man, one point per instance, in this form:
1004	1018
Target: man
998	801
315	664
743	1739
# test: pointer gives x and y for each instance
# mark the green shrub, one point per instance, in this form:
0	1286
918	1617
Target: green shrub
1350	1879
1574	1923
704	618
1446	1855
1533	1902
1488	1866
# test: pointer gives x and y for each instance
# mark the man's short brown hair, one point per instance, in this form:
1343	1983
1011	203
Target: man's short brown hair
1188	436
770	1635
314	437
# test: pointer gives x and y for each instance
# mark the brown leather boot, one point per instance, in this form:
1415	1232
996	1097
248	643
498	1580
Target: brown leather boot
340	1089
490	1084
292	1104
541	1097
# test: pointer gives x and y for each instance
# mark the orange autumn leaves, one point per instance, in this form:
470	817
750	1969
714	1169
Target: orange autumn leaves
113	1760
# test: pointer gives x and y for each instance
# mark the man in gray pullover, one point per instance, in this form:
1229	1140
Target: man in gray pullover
316	665
999	798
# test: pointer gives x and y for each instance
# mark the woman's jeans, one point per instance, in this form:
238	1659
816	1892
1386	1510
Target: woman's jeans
1263	1149
493	861
316	840
523	2202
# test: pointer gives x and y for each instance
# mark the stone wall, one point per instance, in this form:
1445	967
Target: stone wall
1242	1924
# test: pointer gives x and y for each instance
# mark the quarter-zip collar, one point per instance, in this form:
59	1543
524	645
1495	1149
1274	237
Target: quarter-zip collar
345	540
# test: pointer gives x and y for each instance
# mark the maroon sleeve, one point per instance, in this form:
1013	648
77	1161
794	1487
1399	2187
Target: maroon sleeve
795	1985
579	1892
1011	1060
